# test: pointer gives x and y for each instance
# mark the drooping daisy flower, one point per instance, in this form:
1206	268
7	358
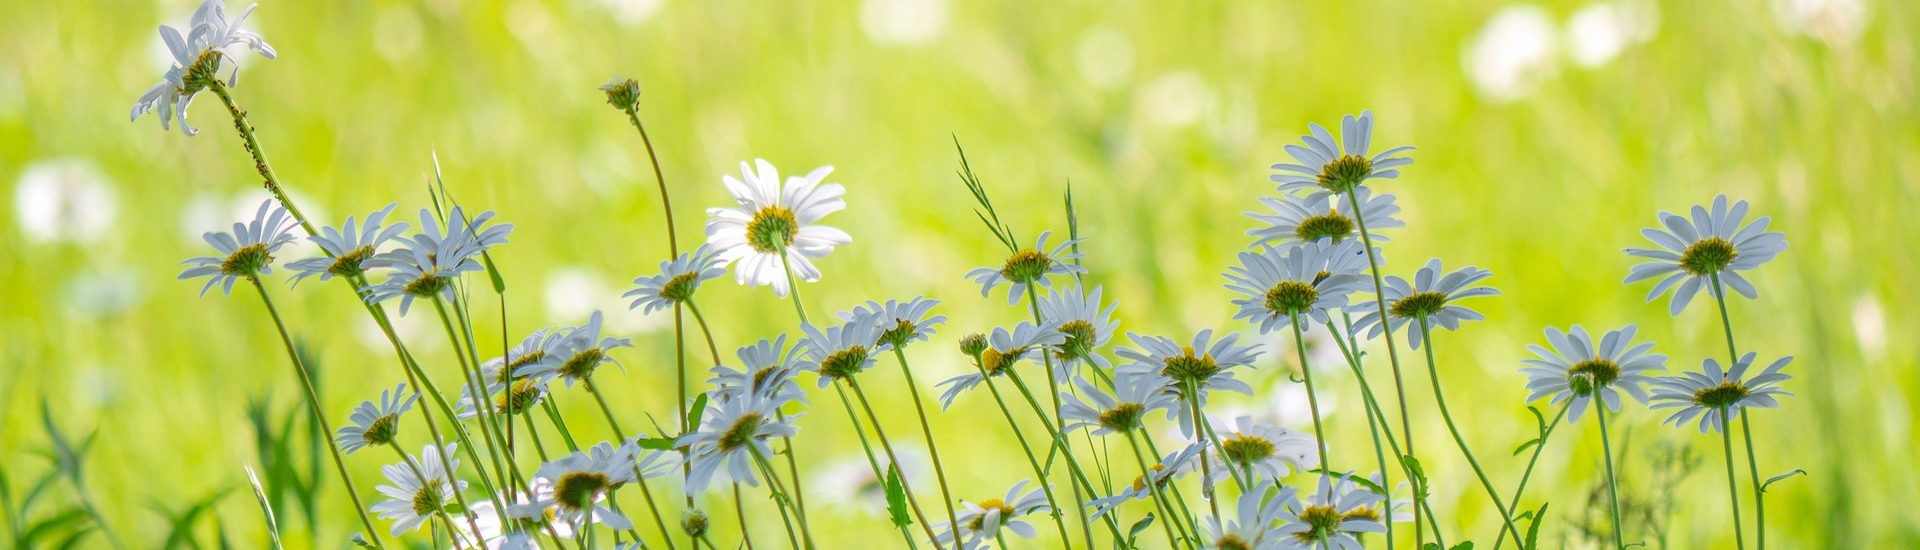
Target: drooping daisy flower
1194	370
411	502
501	371
1712	243
981	521
579	354
375	425
769	222
1029	266
1714	393
841	351
196	61
1254	529
580	482
1430	295
247	252
1332	517
1170	467
1576	369
1135	395
677	280
1265	451
1003	350
1087	327
730	433
900	322
1306	280
768	374
348	250
1297	219
427	265
1326	166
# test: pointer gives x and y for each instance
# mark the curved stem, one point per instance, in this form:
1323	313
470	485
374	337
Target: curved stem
1613	482
1733	491
639	477
1524	476
1060	443
1373	426
1746	427
1053	391
739	509
252	145
780	497
1153	487
893	459
1393	355
1038	472
420	381
1440	399
666	206
866	451
1313	403
483	412
926	430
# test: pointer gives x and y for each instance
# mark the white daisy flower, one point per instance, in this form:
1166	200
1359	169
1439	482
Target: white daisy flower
520	530
982	521
247	252
768	374
579	354
1170	467
1267	452
1029	266
730	433
1306	279
770	221
348	250
1297	219
1254	529
677	281
1575	369
1004	349
1400	507
579	483
410	502
1205	366
1332	517
841	351
375	425
1711	243
1714	393
1088	327
1326	166
1431	295
428	263
900	322
196	60
1135	395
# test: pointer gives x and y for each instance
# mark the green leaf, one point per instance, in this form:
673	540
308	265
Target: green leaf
1418	474
1363	482
1769	481
51	524
180	530
361	541
1533	531
66	458
1468	545
698	410
73	539
1524	446
657	443
897	498
260	496
1141	525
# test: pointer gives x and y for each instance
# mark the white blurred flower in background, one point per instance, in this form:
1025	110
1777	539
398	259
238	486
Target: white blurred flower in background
574	292
631	12
1513	52
903	21
1104	57
66	200
1173	99
1600	31
1836	22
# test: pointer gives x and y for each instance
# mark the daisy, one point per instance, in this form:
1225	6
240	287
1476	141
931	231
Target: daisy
247	252
1298	219
1254	530
375	425
622	93
769	223
1718	396
1303	280
1164	472
900	322
1087	327
1029	266
677	280
1200	368
509	399
1003	350
1712	244
731	434
579	483
1328	167
841	351
501	371
982	521
1430	295
347	250
1266	452
520	530
768	374
1575	369
1135	395
196	60
411	502
579	354
429	262
1333	517
1398	507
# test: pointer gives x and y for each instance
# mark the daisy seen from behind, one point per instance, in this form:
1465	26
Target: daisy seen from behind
1431	296
1325	165
247	252
1710	246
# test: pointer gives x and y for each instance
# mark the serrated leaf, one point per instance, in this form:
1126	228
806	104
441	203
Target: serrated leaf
897	498
1769	481
1140	526
1524	446
1533	531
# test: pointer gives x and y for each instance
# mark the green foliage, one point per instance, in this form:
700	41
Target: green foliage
897	499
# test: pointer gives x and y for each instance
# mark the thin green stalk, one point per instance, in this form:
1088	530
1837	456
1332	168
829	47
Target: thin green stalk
793	466
879	473
252	145
939	472
1313	403
421	380
739	509
483	412
780	497
1433	373
1053	392
1153	487
539	447
1733	484
1244	483
1060	442
1374	427
313	405
1393	356
1746	427
912	501
1524	476
639	477
1193	525
1613	483
1053	503
560	425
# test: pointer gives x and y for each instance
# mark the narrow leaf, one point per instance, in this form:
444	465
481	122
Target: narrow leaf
698	410
260	496
1769	481
1141	525
1524	446
657	443
1533	531
499	283
897	498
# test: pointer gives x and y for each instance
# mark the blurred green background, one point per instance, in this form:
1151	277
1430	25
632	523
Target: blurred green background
1548	134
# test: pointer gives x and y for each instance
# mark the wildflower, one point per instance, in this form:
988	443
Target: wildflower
522	525
375	425
1028	266
579	354
622	93
770	223
1337	168
506	398
1135	395
1254	529
1169	468
348	250
768	374
1078	315
411	502
677	280
1718	396
579	483
900	322
1712	244
430	262
1332	517
1262	451
1004	350
196	61
841	351
982	521
1297	219
731	434
1575	369
1430	296
248	251
1303	280
1193	370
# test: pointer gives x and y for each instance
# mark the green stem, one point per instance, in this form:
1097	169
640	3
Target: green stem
1393	356
1746	427
1153	486
1038	472
879	474
779	497
939	471
422	381
252	146
1053	391
483	411
1193	525
1538	449
1613	482
893	459
1313	403
639	477
1733	491
1373	426
1060	443
739	509
1440	399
